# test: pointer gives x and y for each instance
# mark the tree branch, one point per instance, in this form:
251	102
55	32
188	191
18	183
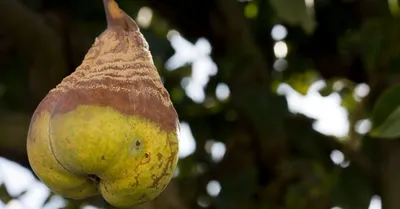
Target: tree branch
37	43
13	132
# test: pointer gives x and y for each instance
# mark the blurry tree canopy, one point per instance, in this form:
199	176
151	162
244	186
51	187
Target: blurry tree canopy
274	157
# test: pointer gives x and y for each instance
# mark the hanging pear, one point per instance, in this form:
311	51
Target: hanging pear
110	127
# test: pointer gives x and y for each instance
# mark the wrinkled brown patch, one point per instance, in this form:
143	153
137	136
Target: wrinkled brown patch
131	85
147	106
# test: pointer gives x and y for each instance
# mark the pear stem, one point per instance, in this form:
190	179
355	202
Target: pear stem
117	17
113	12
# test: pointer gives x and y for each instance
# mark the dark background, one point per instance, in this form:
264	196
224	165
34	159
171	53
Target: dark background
274	158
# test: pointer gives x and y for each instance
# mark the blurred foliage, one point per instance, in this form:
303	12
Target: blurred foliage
386	114
274	158
296	13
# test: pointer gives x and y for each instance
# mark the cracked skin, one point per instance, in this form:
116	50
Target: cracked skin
120	150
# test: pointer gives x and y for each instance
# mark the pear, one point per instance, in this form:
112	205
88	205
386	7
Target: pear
110	127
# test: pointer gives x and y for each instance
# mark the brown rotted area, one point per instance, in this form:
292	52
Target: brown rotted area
144	105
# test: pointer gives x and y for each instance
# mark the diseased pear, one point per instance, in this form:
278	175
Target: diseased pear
110	127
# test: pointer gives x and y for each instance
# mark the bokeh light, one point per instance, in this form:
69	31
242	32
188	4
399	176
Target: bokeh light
280	49
213	188
279	32
144	17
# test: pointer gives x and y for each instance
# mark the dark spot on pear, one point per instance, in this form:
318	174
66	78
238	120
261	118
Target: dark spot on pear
159	155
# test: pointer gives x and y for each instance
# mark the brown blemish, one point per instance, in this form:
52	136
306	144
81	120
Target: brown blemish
169	164
136	181
159	156
103	158
146	155
143	197
142	162
137	143
152	167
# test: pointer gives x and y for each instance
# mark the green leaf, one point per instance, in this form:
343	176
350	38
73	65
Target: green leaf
4	196
302	81
387	103
394	7
353	189
295	12
390	128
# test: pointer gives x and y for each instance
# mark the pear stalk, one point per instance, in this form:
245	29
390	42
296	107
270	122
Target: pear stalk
116	17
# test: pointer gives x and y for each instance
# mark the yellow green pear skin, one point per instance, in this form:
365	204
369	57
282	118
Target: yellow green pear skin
133	158
125	152
110	127
46	166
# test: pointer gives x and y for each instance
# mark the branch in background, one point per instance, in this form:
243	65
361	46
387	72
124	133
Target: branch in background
239	35
13	132
37	43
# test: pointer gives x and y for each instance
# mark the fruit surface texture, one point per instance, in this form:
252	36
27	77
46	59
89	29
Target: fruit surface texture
110	127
